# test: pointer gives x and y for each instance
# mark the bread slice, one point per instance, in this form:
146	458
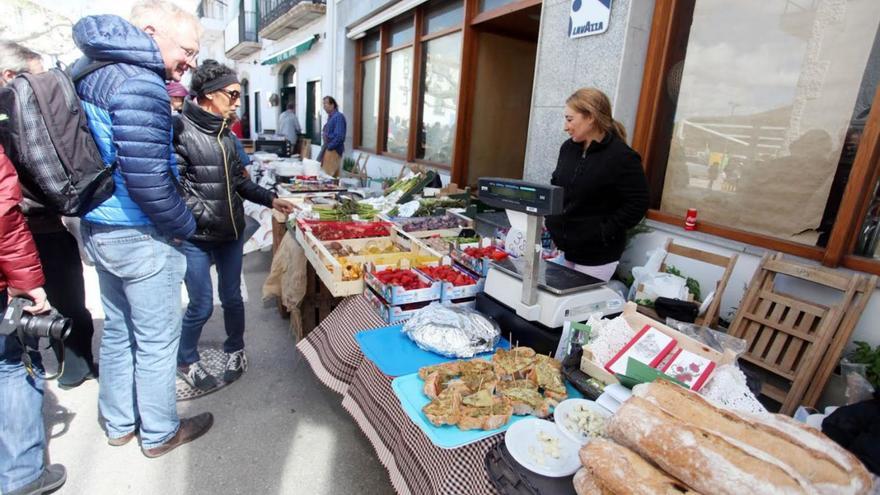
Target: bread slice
705	461
620	471
826	465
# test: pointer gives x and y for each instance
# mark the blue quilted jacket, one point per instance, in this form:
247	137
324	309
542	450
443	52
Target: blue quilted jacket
130	116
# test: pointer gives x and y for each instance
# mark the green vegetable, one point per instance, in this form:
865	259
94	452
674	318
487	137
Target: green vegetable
344	210
691	283
870	357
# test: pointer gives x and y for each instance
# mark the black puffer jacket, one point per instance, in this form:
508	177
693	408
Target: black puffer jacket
212	175
606	193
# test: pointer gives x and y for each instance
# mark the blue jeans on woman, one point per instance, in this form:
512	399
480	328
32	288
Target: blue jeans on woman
140	273
22	434
227	256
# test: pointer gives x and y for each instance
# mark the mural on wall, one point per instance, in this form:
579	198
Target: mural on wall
588	17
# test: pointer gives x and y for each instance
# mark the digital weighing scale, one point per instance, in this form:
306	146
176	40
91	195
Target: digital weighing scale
528	296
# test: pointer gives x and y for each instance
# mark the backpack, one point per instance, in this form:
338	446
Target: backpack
49	141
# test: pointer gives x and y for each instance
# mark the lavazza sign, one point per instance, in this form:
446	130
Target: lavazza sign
588	17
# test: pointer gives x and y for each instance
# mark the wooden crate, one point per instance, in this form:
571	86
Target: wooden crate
330	269
637	321
317	303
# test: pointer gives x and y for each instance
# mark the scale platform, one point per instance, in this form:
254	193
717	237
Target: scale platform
552	277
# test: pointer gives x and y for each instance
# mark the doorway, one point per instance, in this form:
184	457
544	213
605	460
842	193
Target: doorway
313	111
288	87
245	109
507	46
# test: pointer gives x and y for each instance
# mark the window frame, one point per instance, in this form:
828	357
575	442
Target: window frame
671	17
417	45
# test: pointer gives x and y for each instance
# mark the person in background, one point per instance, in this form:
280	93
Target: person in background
236	127
333	138
135	236
58	248
288	126
177	92
606	191
214	186
22	433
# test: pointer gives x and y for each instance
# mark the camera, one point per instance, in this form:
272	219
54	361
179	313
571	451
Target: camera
51	325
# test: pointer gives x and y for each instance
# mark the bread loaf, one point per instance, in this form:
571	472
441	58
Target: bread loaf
585	484
705	461
823	463
617	470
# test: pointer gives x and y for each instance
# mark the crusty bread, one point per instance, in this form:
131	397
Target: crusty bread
821	461
585	484
705	461
618	470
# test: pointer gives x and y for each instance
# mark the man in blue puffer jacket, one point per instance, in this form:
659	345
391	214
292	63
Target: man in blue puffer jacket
134	236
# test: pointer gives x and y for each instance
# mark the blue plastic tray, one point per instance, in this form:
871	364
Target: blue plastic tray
396	355
408	389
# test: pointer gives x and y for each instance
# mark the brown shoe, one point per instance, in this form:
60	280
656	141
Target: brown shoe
189	430
124	439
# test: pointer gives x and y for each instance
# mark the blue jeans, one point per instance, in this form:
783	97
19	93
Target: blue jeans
22	434
228	258
140	274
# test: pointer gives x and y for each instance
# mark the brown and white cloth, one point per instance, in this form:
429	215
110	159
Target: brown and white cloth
414	464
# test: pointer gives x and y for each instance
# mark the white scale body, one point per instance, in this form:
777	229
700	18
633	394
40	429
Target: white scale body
552	310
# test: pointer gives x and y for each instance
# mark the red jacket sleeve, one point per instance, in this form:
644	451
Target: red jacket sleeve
19	262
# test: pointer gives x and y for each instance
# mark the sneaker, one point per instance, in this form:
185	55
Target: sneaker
189	430
236	365
197	376
51	479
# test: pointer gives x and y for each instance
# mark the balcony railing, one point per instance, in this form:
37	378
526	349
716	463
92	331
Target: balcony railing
240	37
289	14
211	9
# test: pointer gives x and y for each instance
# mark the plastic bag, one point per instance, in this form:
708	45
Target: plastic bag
646	271
719	341
858	388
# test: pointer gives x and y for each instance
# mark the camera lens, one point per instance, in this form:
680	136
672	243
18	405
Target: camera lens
53	326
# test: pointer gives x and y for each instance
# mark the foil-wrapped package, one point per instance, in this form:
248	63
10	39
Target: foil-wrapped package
452	331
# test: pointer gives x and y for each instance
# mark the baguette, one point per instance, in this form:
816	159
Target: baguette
618	470
585	484
826	465
705	461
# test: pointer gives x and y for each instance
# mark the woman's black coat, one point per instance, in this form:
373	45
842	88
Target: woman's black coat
606	193
212	175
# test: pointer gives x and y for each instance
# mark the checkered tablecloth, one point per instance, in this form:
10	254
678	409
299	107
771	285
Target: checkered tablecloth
414	464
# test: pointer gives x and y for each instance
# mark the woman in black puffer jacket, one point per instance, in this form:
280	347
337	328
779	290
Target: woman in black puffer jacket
606	191
215	186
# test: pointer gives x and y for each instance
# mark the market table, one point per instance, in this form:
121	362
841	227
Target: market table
414	464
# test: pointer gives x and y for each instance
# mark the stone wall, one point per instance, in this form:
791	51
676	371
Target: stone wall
612	61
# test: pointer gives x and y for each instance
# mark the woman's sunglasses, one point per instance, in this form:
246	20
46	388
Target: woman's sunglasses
233	95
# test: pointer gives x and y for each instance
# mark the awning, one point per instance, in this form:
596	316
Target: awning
358	30
291	52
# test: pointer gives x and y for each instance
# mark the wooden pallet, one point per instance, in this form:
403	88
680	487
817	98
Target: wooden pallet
317	303
796	340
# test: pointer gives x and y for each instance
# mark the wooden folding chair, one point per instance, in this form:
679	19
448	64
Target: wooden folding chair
797	341
710	317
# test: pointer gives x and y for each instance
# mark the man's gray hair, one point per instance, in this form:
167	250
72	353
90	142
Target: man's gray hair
159	13
15	57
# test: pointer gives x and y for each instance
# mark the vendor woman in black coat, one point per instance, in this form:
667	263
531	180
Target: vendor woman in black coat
606	191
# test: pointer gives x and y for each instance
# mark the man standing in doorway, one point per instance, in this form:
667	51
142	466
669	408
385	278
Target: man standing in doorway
288	126
334	138
135	236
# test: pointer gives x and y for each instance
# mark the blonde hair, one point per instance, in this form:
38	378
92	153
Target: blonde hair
158	13
591	101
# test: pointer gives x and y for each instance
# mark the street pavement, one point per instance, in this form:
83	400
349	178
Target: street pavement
276	431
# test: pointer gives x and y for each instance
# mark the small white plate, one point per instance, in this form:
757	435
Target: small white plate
524	434
567	406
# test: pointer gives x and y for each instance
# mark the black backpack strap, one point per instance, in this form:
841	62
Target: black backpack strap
77	74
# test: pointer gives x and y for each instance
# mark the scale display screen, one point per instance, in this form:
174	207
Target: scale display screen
517	195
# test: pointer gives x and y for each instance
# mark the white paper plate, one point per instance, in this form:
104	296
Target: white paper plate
524	434
565	407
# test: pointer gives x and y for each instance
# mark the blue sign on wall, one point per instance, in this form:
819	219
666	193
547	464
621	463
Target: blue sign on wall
588	17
